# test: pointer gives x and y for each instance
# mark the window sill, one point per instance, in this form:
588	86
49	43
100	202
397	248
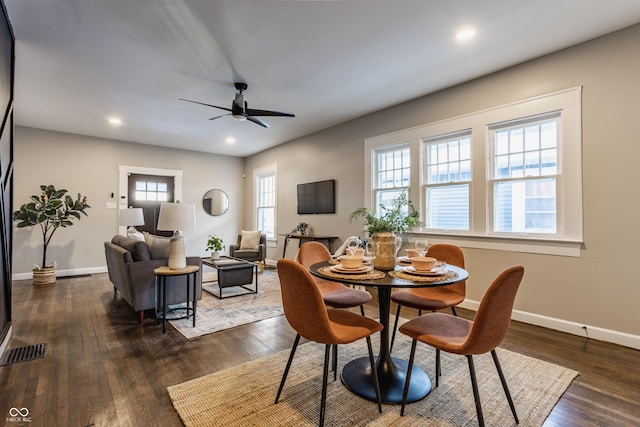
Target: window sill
502	243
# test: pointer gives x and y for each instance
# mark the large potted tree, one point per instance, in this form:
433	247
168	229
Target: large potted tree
50	210
382	228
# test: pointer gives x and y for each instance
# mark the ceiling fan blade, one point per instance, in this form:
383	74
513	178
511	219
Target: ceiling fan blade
217	117
208	105
258	121
252	112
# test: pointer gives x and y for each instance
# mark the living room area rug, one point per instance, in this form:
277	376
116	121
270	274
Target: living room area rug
244	395
213	314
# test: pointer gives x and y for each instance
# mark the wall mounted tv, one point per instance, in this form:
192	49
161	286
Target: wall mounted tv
317	197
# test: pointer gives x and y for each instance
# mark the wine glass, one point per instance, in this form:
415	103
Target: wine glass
422	246
352	246
371	250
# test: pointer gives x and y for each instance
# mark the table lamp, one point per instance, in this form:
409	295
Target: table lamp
177	217
131	217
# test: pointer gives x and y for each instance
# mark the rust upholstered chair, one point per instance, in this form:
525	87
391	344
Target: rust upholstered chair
309	317
461	336
334	294
432	299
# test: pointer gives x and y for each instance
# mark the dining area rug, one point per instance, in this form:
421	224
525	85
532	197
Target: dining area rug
213	314
244	395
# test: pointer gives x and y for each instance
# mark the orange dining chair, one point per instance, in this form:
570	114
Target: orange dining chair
468	337
334	294
432	299
308	316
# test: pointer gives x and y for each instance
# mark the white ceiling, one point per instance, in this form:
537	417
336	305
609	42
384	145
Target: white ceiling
79	62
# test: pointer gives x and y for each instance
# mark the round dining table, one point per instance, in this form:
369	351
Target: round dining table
356	374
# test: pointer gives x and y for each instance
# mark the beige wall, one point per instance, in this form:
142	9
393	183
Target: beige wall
600	289
91	166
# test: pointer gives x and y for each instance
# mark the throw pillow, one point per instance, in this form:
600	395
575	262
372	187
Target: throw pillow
139	250
158	245
250	239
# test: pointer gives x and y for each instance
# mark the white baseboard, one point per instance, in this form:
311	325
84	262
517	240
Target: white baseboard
601	334
63	273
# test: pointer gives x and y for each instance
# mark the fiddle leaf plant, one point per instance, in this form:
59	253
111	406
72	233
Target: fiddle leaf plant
50	210
398	218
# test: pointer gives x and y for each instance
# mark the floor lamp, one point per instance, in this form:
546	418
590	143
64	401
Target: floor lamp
177	217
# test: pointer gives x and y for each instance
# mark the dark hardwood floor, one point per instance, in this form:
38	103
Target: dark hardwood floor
102	368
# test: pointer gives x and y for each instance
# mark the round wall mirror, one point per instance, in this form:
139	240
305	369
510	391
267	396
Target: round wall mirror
215	202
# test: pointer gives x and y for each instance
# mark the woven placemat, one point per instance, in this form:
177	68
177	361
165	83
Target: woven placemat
369	275
422	279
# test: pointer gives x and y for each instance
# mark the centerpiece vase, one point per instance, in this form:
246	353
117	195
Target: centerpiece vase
387	247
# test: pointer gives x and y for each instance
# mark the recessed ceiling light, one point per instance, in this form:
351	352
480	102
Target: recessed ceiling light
465	34
230	140
115	121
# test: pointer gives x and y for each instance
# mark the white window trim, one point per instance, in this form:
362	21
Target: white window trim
125	171
271	168
569	103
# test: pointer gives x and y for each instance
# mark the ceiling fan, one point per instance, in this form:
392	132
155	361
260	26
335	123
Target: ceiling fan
240	111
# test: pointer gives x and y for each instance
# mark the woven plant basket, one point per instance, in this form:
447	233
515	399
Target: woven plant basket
44	276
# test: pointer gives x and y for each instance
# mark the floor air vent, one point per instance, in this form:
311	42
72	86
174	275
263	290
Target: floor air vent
23	354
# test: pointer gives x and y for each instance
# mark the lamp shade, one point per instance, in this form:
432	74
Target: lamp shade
131	216
177	216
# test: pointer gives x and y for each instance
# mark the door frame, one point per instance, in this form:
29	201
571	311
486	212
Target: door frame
125	170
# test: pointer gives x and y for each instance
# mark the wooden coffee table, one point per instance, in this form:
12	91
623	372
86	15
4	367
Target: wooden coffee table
234	272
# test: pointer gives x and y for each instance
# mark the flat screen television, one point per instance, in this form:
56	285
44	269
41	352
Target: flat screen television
317	197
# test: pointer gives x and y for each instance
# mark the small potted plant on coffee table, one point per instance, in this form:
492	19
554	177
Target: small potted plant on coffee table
215	245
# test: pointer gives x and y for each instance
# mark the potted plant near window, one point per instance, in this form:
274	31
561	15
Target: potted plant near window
215	245
396	219
50	210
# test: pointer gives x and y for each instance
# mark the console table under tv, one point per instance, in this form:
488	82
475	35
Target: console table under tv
303	238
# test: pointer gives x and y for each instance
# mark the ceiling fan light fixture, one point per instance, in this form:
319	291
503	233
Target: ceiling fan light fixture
239	117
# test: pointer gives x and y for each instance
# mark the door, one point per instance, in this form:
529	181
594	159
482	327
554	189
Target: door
148	192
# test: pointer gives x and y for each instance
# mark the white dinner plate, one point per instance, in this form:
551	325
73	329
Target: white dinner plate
435	272
340	269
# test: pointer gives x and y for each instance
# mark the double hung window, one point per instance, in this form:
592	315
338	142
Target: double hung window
266	204
448	181
393	174
525	175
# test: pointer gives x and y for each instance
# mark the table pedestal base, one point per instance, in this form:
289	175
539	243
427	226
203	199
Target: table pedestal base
356	376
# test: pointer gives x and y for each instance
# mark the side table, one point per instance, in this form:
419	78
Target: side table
161	274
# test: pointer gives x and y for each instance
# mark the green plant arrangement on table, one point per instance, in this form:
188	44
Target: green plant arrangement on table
50	210
215	245
398	218
302	229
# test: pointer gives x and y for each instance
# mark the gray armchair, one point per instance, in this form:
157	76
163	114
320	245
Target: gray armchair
130	264
257	255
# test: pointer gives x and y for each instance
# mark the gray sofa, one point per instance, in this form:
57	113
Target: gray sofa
131	263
